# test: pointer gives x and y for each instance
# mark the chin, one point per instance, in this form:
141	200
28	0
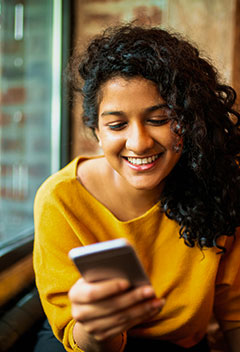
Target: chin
148	184
145	187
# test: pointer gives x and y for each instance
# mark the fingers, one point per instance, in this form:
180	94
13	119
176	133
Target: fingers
112	305
112	325
105	309
83	292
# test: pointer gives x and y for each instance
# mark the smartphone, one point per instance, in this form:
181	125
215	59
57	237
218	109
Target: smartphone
109	259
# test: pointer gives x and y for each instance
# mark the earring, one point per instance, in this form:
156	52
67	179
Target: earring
100	143
179	145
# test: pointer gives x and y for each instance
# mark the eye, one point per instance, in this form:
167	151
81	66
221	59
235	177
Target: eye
158	121
116	126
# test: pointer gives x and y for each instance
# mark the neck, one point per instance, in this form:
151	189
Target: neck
139	200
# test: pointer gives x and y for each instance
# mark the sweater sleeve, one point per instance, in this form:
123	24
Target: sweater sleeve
54	272
58	228
227	295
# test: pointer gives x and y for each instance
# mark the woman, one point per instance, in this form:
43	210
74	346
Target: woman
168	182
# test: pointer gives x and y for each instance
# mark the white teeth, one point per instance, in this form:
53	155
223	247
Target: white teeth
138	161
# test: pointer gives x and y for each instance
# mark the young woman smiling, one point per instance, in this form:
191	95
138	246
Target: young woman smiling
168	181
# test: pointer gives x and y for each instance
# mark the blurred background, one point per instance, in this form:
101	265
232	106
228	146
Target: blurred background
40	126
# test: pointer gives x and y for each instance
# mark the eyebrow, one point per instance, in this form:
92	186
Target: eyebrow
157	107
149	109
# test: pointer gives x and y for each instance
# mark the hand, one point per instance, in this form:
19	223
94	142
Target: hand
107	308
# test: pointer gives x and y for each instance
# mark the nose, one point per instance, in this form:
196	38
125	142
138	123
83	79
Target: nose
139	139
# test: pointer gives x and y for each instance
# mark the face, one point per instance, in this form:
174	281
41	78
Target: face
134	131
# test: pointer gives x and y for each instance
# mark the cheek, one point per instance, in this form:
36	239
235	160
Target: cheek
173	145
111	142
167	138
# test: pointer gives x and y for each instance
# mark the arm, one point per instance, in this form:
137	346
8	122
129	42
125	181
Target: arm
232	338
227	294
103	311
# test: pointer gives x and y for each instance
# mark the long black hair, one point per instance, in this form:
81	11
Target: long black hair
202	193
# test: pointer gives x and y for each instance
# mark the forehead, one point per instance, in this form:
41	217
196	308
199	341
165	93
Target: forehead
121	91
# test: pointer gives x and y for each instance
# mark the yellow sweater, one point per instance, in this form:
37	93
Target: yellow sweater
195	283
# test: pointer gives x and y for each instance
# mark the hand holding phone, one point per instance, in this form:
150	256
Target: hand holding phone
102	305
108	260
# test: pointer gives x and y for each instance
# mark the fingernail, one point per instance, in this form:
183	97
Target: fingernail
124	284
158	303
148	292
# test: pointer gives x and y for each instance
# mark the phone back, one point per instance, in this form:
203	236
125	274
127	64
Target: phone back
97	263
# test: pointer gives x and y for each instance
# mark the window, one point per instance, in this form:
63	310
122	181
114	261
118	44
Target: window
31	111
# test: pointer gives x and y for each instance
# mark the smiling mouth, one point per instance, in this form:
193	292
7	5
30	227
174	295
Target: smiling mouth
143	161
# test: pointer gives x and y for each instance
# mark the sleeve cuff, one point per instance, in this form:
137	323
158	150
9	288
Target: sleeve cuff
115	347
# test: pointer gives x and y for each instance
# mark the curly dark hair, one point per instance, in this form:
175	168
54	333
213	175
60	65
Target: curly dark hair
202	193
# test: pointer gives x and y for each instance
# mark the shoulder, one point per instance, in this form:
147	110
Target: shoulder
92	172
56	182
64	185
